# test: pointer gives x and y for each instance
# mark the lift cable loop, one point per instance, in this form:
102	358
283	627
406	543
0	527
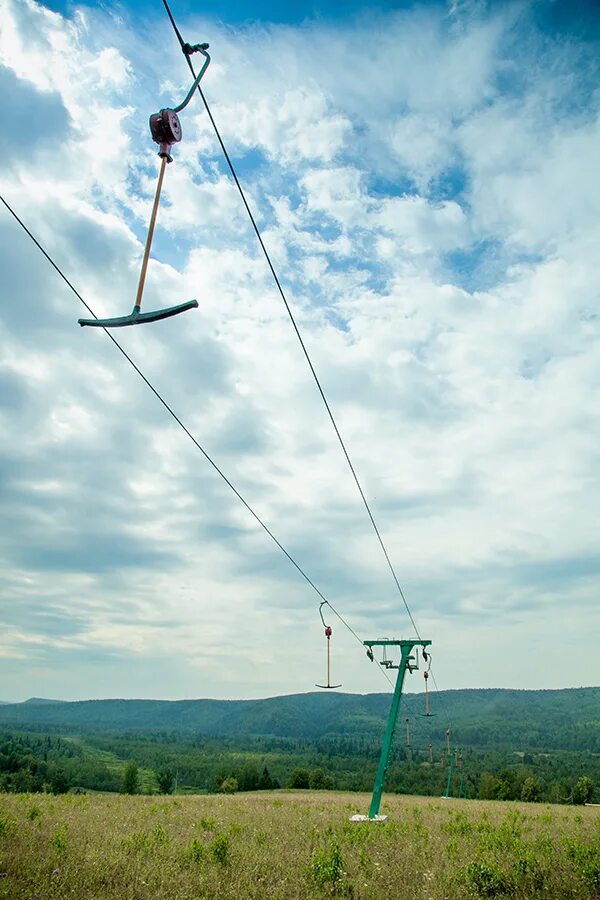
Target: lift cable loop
185	47
295	326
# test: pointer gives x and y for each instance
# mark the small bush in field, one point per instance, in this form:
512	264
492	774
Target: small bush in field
159	835
33	813
220	849
587	857
138	842
196	851
529	872
59	838
326	865
459	824
488	881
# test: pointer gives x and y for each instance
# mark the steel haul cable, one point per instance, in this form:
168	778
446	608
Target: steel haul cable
185	47
181	424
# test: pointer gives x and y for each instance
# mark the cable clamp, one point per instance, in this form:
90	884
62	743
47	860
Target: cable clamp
188	49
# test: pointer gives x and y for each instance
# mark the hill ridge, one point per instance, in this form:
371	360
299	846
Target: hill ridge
561	718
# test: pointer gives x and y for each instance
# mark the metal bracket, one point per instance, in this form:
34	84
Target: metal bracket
165	126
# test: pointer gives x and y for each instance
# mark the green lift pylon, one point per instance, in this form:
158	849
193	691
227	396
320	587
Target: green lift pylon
453	758
407	662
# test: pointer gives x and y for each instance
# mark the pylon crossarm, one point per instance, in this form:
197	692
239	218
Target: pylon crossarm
396	642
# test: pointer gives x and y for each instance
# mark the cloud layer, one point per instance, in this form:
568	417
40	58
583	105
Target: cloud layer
425	182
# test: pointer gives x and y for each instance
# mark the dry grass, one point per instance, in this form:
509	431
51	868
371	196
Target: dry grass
293	845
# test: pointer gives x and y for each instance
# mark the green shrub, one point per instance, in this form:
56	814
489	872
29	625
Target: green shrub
59	838
159	835
220	849
326	865
196	851
487	880
459	824
583	790
228	785
587	858
138	842
529	872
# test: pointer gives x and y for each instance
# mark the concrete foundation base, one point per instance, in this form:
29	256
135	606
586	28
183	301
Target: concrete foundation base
359	818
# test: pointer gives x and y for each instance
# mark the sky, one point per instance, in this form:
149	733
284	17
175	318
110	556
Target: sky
425	179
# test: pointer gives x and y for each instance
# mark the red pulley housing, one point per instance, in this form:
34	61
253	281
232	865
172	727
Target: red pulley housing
165	127
328	631
425	675
166	131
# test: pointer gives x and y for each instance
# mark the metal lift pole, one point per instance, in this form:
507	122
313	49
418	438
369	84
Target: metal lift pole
459	763
406	648
450	773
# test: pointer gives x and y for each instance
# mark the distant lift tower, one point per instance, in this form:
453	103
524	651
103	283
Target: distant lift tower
408	661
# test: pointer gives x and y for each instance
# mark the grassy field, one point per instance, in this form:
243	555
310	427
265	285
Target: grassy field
293	845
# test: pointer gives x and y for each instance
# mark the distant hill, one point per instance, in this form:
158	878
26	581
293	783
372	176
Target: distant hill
39	701
486	718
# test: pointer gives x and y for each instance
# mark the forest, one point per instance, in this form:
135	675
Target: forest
503	744
168	762
491	719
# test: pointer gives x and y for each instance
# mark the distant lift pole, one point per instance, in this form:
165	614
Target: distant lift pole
453	759
409	662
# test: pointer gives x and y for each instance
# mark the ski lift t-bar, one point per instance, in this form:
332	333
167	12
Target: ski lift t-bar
165	128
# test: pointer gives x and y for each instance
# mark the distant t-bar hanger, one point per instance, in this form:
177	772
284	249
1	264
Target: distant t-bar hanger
328	632
165	128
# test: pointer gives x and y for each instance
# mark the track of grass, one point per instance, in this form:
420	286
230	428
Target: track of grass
147	780
293	845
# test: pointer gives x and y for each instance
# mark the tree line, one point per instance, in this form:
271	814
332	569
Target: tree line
165	764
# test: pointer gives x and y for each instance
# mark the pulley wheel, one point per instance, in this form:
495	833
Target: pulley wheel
165	127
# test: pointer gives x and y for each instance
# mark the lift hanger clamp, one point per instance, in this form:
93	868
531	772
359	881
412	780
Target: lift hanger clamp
165	126
188	49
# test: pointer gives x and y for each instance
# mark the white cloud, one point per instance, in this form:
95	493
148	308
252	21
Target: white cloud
423	227
422	145
336	193
289	125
